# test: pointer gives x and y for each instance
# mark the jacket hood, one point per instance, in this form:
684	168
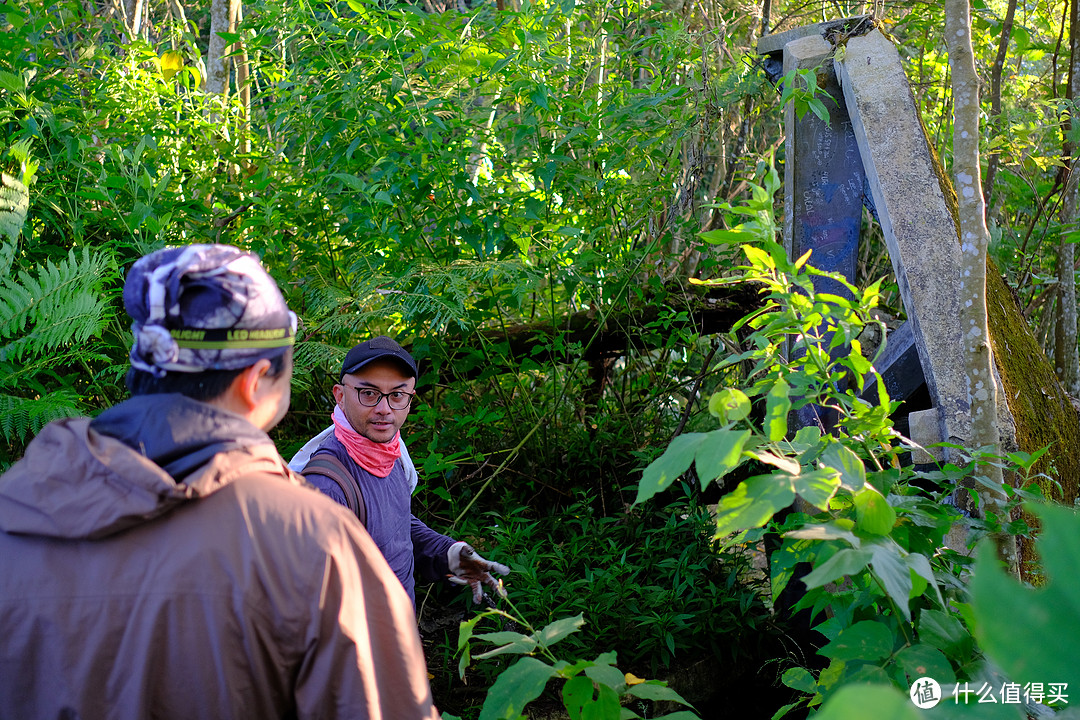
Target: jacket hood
83	478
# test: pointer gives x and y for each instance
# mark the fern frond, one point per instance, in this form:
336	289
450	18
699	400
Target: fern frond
14	205
59	306
315	357
21	418
7	257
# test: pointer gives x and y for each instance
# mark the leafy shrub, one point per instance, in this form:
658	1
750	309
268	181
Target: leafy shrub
650	583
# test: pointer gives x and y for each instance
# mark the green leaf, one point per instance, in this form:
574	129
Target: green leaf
777	406
883	702
846	561
667	468
892	570
653	690
1031	633
921	660
752	504
945	632
854	702
576	693
873	514
868	640
817	487
847	463
560	629
604	707
515	688
719	454
604	674
729	237
730	405
800	679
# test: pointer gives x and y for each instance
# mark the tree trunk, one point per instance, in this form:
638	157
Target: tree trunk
243	78
1066	358
217	66
995	94
974	242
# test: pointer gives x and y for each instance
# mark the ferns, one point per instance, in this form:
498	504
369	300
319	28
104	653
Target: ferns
62	305
22	417
15	193
14	204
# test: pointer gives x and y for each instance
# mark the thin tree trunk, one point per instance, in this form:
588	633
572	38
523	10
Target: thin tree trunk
133	14
974	241
1066	357
217	66
243	75
995	94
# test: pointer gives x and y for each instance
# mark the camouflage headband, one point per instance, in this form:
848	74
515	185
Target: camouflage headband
204	307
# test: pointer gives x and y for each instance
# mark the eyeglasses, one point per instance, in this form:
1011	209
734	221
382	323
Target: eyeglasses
397	400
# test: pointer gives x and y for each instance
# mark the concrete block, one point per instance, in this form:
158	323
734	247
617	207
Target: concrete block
918	227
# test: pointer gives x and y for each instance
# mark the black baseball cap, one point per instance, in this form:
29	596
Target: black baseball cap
374	349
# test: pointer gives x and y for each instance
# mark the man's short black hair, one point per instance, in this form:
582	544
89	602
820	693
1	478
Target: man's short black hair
202	386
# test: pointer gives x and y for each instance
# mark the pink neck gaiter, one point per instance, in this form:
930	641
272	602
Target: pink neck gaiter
377	458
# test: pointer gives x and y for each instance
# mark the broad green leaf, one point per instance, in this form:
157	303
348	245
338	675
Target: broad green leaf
868	640
830	531
945	632
729	237
521	645
655	691
781	462
920	660
817	487
559	629
843	460
752	504
1032	634
576	693
920	565
606	675
719	454
857	702
800	679
667	468
730	405
500	638
847	561
777	406
604	707
886	702
873	514
891	569
516	687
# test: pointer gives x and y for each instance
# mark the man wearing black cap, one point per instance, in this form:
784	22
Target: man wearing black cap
359	464
161	561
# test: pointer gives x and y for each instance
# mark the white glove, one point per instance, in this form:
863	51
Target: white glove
470	569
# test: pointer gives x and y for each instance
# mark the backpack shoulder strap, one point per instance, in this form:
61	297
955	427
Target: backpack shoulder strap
329	466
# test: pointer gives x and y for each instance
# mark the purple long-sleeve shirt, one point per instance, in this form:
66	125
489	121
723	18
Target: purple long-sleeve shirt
407	543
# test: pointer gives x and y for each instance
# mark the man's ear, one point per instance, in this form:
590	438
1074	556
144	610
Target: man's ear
339	394
246	384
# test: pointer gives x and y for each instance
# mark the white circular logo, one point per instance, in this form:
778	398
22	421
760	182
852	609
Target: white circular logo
925	693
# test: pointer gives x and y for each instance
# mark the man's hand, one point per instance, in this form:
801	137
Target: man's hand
472	570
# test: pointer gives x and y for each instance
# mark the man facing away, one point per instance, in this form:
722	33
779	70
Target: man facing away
358	462
161	561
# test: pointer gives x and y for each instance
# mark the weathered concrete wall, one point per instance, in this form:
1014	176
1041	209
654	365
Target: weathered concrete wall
915	219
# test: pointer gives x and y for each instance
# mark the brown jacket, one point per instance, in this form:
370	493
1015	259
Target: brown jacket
239	593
